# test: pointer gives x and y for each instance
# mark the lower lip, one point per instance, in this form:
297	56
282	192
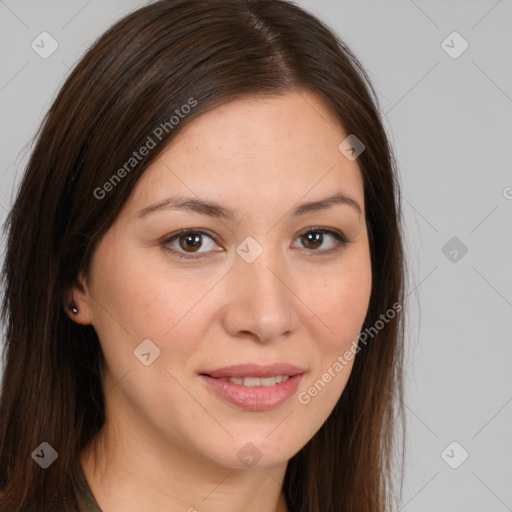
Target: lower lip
254	398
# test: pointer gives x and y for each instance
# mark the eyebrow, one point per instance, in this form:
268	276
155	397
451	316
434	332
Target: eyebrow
213	209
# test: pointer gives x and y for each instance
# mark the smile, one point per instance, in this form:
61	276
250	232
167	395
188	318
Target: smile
253	393
256	381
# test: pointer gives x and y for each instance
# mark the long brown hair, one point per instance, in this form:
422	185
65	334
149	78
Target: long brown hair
130	82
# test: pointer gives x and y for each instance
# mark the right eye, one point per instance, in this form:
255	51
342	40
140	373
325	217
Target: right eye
188	241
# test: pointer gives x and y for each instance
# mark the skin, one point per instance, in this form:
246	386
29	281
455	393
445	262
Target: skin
169	443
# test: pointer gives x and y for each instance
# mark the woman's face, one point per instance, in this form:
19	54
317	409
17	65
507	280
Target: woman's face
267	283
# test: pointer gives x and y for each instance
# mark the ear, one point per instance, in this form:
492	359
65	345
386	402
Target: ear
78	297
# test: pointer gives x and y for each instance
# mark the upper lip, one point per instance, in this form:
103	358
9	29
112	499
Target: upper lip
255	370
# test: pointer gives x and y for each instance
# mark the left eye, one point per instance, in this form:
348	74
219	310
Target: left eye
190	240
314	238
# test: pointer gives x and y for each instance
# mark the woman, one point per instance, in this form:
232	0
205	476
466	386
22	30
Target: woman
204	275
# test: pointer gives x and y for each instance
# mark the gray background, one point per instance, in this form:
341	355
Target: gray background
449	120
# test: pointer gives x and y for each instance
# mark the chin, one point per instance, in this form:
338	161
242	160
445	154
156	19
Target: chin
256	454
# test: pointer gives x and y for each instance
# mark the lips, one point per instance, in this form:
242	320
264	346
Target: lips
258	392
254	370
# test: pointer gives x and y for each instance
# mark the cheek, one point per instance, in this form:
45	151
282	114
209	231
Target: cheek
145	297
338	310
340	304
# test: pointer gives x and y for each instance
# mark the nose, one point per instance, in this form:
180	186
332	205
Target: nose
261	303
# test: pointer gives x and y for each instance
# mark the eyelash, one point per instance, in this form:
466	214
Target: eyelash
341	241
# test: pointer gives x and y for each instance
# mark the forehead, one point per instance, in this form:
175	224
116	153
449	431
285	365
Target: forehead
286	125
266	150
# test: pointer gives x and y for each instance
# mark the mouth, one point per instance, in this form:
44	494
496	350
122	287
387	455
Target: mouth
253	387
253	370
254	381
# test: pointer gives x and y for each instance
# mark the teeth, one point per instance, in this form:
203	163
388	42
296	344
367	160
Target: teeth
257	381
252	381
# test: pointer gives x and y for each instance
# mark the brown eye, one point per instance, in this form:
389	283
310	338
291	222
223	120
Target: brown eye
313	239
186	243
190	243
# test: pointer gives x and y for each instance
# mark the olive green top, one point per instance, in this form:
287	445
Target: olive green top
84	497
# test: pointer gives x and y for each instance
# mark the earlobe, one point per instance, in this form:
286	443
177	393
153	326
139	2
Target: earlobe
77	310
75	314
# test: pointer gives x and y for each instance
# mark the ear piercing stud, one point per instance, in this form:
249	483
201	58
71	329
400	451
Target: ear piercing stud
73	309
